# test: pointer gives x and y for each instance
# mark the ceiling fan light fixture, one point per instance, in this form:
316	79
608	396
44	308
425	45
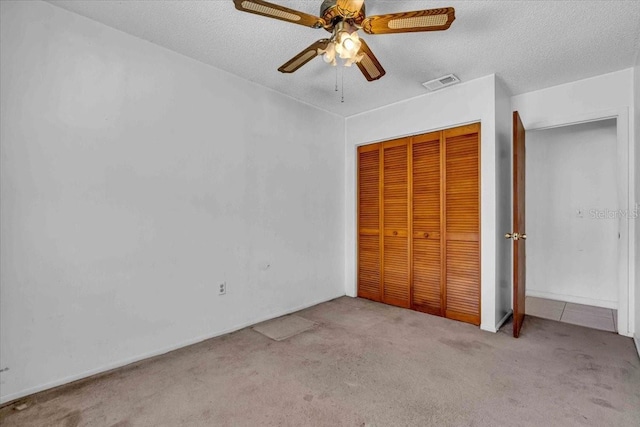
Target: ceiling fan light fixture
349	62
328	54
328	58
348	45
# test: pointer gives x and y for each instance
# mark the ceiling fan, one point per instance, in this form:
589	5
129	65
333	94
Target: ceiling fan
343	19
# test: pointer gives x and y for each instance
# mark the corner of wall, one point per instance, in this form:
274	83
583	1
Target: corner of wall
503	260
348	228
635	117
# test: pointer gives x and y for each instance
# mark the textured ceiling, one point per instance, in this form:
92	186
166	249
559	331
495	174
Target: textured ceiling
529	44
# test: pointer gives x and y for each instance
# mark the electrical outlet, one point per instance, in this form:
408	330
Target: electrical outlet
222	288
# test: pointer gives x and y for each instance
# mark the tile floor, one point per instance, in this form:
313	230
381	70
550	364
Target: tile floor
577	314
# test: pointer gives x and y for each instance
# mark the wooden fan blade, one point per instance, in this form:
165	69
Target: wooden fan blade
270	10
349	7
303	57
369	64
408	22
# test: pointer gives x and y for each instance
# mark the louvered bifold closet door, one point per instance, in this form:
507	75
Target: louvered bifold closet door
427	249
462	218
395	220
369	236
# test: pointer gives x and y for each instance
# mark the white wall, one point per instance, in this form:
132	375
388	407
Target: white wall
636	97
134	180
473	101
504	207
608	95
572	239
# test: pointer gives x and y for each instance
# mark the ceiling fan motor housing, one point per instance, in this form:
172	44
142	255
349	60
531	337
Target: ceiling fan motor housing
331	14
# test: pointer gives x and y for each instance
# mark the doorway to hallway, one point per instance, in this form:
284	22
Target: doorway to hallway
573	223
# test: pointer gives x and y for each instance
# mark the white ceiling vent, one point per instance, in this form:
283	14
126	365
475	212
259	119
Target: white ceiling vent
441	82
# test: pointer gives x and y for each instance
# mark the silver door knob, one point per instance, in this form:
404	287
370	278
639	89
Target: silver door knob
515	236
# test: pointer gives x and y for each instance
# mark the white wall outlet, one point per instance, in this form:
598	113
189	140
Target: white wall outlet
222	288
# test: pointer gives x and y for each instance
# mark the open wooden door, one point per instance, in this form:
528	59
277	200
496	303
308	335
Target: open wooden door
518	235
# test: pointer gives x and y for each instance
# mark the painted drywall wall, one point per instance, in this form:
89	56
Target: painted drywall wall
636	97
504	207
134	181
608	95
473	101
571	198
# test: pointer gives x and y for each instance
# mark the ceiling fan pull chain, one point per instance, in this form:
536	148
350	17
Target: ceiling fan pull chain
342	74
336	79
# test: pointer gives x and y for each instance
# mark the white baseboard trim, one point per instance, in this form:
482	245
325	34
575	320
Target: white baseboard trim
496	328
573	299
504	319
637	341
488	328
121	363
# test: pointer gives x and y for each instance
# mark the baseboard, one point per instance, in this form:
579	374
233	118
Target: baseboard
504	319
488	328
496	328
637	341
573	299
8	399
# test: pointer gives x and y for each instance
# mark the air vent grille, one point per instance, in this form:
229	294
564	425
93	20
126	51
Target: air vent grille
441	82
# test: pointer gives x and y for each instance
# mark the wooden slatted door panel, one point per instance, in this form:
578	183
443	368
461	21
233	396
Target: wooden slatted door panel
395	277
419	223
369	267
462	223
426	205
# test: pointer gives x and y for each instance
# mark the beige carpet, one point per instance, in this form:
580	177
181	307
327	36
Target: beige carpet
366	364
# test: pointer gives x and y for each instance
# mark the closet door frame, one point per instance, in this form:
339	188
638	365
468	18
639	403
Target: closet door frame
474	128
